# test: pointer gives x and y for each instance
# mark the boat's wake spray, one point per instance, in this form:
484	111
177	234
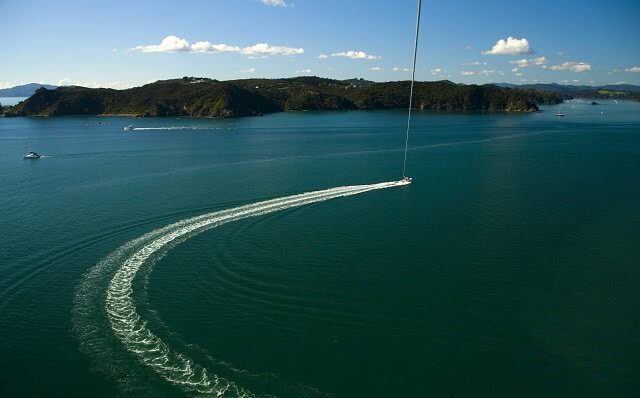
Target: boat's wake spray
127	324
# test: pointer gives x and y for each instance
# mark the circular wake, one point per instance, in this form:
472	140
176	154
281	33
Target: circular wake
128	326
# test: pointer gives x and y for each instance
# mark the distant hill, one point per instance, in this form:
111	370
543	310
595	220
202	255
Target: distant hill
619	91
191	96
25	90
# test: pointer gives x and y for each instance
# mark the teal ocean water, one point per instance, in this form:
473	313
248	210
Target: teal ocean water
510	267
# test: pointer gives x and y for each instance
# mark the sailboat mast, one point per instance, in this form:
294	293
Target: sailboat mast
413	79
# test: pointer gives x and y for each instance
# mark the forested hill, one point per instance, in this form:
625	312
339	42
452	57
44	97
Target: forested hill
211	98
610	91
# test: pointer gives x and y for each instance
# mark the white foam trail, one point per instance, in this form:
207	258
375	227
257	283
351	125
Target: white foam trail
132	330
180	128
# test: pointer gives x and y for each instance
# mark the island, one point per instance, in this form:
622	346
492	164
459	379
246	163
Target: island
202	97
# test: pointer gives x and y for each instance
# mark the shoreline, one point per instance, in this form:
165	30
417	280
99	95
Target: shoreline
415	110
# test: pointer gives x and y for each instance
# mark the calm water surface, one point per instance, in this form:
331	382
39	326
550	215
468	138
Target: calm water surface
509	268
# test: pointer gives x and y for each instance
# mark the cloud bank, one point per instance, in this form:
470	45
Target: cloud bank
511	46
526	63
571	66
168	44
266	49
175	44
355	55
276	3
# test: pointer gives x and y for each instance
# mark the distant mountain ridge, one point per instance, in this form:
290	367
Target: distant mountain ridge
202	97
24	90
605	91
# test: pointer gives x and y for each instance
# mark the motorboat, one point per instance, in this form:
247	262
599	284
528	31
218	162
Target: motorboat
129	128
31	155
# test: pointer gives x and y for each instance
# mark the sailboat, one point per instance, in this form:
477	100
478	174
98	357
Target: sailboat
559	113
29	154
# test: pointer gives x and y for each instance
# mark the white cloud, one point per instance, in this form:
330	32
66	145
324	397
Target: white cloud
176	44
355	55
635	69
206	47
525	63
486	72
519	74
304	71
511	46
397	69
622	82
571	66
266	49
6	85
118	85
323	56
475	63
436	71
376	68
168	44
250	70
276	3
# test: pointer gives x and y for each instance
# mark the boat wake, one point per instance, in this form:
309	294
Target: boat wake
127	324
179	128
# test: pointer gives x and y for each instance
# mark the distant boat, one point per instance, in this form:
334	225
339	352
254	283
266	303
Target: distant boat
129	128
29	154
559	114
594	103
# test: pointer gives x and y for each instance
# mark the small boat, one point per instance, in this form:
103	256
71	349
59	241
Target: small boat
407	180
594	103
29	154
559	114
129	128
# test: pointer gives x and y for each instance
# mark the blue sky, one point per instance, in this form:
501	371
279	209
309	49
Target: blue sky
118	43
